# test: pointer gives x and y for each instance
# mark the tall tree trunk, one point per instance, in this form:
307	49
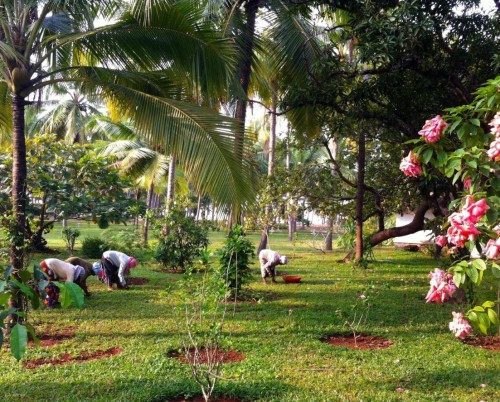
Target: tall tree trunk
137	198
149	203
244	71
292	222
198	208
19	176
170	190
329	235
270	158
360	195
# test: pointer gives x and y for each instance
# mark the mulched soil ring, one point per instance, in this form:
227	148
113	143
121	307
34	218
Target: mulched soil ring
484	342
50	339
201	399
137	281
230	356
362	341
66	358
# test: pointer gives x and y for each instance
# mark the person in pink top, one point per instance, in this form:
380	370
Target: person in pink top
116	265
268	260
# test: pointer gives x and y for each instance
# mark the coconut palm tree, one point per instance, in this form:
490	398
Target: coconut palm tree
139	62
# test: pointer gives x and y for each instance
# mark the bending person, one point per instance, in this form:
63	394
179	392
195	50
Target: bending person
58	270
268	261
116	265
88	270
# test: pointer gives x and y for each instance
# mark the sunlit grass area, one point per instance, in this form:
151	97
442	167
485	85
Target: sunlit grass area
279	334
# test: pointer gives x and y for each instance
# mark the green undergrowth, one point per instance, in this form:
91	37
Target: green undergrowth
278	330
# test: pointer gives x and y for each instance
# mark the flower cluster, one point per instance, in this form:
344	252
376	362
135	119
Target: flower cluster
442	286
432	129
463	222
441	241
410	165
492	248
494	151
460	326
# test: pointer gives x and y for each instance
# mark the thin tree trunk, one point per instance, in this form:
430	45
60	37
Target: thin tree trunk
360	195
329	235
198	208
137	198
292	222
170	190
149	203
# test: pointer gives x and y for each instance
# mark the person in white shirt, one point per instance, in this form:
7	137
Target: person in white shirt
58	270
116	265
268	260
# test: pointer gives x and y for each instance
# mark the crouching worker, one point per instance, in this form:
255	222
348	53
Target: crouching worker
58	270
268	260
82	275
116	265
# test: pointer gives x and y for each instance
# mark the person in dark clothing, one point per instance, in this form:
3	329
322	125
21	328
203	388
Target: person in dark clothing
81	276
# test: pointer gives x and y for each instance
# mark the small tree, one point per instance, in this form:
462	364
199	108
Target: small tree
183	243
70	235
234	259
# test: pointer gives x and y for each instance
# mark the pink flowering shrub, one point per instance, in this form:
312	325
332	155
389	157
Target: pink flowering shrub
492	248
411	166
460	326
442	286
469	157
432	129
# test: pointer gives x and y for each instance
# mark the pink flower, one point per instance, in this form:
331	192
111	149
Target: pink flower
467	183
494	151
495	124
441	241
410	165
432	129
442	286
474	211
460	326
492	249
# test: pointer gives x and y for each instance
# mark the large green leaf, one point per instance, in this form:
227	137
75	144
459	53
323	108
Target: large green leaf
75	294
18	341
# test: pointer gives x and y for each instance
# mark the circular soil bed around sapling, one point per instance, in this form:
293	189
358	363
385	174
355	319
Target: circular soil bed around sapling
66	358
51	338
230	356
484	342
137	281
361	341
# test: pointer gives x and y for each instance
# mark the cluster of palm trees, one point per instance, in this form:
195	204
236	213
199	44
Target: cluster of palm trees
164	69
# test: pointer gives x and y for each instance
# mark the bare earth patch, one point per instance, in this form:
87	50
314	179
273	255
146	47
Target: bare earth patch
137	281
230	356
484	342
361	341
50	338
66	358
169	271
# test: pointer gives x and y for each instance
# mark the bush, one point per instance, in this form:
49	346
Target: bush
181	242
93	247
234	259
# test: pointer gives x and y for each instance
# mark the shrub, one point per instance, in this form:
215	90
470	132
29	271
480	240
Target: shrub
234	259
93	247
182	240
70	235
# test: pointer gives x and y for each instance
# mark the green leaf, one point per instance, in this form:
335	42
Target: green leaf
25	289
484	323
476	122
493	317
495	271
75	294
472	164
457	176
18	341
488	304
478	309
25	275
426	157
472	274
441	157
479	264
2	285
4	298
492	216
457	278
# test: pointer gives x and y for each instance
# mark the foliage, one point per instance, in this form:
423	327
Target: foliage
25	285
460	153
70	234
235	259
67	181
181	240
93	247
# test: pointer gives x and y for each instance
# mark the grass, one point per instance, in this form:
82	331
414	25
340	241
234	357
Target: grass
279	336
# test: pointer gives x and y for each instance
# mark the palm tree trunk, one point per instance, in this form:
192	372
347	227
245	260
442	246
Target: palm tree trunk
292	223
19	175
149	203
244	71
170	190
360	195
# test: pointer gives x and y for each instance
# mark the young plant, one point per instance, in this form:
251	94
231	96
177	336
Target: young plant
235	258
70	235
359	315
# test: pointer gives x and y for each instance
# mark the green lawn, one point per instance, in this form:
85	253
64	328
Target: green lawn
279	336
